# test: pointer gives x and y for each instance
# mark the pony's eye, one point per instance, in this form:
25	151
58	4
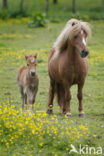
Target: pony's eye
27	64
75	37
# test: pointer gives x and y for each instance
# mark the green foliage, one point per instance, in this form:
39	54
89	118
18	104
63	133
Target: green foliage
60	12
6	14
38	20
17	14
80	16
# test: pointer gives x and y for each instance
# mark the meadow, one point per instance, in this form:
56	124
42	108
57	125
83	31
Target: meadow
41	134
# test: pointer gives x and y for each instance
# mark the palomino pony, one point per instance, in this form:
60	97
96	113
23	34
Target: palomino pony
28	82
68	65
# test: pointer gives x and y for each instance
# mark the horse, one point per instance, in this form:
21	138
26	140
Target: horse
68	65
28	82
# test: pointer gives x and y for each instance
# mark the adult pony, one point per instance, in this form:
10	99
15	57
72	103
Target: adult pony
68	65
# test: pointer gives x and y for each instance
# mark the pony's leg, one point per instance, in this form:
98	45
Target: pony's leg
80	96
60	95
67	100
51	97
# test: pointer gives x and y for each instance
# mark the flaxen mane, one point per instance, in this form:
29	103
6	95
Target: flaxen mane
72	28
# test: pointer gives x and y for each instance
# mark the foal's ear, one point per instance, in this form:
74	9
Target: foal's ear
26	57
35	56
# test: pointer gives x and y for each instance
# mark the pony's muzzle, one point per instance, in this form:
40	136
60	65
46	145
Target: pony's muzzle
84	53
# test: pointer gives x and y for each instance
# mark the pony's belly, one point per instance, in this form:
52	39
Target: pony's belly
77	77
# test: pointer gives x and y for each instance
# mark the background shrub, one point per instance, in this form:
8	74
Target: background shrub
38	20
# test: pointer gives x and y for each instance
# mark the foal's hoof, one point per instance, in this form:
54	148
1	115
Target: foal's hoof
81	114
68	115
50	112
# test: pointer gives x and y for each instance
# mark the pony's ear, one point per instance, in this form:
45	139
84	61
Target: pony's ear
35	56
26	57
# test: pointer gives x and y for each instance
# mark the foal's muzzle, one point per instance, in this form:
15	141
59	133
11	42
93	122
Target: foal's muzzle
84	53
32	74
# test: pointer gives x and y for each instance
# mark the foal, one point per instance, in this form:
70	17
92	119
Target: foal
27	80
68	65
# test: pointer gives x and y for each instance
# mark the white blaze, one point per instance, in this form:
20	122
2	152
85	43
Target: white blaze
84	41
32	60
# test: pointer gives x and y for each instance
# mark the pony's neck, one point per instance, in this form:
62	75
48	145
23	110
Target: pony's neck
72	52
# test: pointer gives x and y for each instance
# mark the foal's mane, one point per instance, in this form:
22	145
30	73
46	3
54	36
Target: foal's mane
71	29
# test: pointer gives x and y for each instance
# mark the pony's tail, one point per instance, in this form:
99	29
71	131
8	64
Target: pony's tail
60	95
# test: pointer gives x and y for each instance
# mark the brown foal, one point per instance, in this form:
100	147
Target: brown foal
27	80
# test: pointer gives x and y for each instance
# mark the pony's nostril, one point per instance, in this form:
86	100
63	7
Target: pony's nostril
87	52
83	51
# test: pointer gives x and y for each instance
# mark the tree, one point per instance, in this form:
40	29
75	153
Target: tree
74	6
55	1
21	6
5	4
47	6
102	5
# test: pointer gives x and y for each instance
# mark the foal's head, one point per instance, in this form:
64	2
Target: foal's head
31	64
78	40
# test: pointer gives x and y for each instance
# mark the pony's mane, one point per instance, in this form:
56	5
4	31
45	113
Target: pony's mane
72	28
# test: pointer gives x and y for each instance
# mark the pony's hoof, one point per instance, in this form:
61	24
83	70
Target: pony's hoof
50	112
68	115
81	114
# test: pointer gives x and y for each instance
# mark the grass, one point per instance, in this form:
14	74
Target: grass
16	39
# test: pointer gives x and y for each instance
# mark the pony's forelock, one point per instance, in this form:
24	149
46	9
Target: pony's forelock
72	28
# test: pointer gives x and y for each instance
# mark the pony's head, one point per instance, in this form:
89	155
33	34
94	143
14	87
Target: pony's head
79	31
31	64
76	32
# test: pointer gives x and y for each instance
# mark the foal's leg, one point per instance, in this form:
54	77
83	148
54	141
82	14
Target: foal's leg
80	96
25	100
31	99
22	98
31	106
51	97
67	100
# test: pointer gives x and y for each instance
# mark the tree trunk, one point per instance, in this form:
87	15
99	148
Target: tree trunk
47	6
21	6
55	1
5	4
74	6
103	6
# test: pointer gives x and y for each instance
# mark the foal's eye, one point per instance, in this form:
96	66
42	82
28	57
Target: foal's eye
75	37
27	64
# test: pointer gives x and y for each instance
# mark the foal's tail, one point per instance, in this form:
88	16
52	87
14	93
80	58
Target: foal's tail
60	93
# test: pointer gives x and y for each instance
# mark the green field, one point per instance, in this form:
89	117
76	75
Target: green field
17	40
40	134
